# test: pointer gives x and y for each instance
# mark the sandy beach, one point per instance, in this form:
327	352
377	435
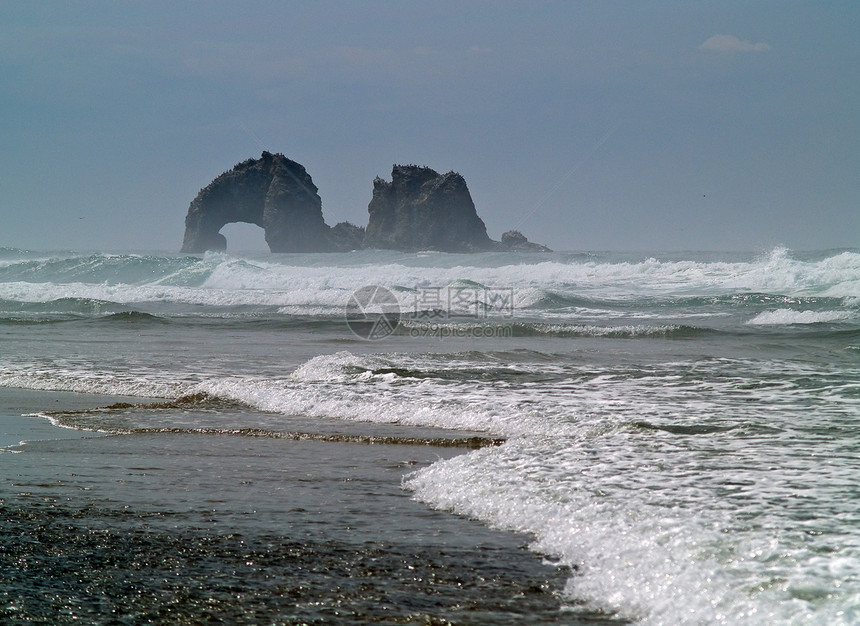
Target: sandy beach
186	528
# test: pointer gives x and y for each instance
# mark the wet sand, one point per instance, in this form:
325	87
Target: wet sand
189	527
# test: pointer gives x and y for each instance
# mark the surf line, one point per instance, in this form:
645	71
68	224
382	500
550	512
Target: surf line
469	443
472	443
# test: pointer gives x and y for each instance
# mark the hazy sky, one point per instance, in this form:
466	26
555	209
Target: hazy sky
586	125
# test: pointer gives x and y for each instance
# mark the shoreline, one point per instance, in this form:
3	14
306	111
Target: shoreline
18	425
184	526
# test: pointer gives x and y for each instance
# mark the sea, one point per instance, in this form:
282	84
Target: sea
668	437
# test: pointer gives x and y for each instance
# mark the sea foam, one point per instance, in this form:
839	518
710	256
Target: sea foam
545	282
790	316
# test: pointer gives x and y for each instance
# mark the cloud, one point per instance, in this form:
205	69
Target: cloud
730	43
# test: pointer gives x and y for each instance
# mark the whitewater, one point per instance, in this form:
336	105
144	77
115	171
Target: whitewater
677	430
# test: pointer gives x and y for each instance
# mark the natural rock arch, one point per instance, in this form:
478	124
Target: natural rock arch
274	193
419	209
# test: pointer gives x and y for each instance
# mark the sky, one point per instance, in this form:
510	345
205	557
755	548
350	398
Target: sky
587	125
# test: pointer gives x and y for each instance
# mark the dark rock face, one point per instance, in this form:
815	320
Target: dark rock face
345	236
272	192
515	241
421	209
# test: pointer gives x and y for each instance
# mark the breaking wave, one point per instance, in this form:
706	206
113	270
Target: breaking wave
791	316
314	283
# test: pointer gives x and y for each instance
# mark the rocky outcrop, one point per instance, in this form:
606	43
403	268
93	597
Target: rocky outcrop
421	209
272	192
515	241
345	236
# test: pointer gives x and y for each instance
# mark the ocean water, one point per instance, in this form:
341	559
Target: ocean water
677	433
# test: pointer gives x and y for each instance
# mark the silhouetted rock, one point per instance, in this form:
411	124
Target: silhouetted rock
345	236
272	192
421	209
515	241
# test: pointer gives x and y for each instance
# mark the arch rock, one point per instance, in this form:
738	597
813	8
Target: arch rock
272	192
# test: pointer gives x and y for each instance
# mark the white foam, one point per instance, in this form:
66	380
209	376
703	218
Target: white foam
626	561
222	280
790	316
655	525
346	386
87	381
652	542
342	385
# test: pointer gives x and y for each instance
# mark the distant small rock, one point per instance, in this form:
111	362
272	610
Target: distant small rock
346	236
515	241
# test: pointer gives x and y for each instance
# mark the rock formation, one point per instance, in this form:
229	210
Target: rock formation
272	192
515	241
421	209
345	236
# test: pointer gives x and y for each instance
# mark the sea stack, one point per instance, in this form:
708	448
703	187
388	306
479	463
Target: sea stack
272	192
421	209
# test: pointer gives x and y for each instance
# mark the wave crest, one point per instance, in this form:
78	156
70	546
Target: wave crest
782	317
